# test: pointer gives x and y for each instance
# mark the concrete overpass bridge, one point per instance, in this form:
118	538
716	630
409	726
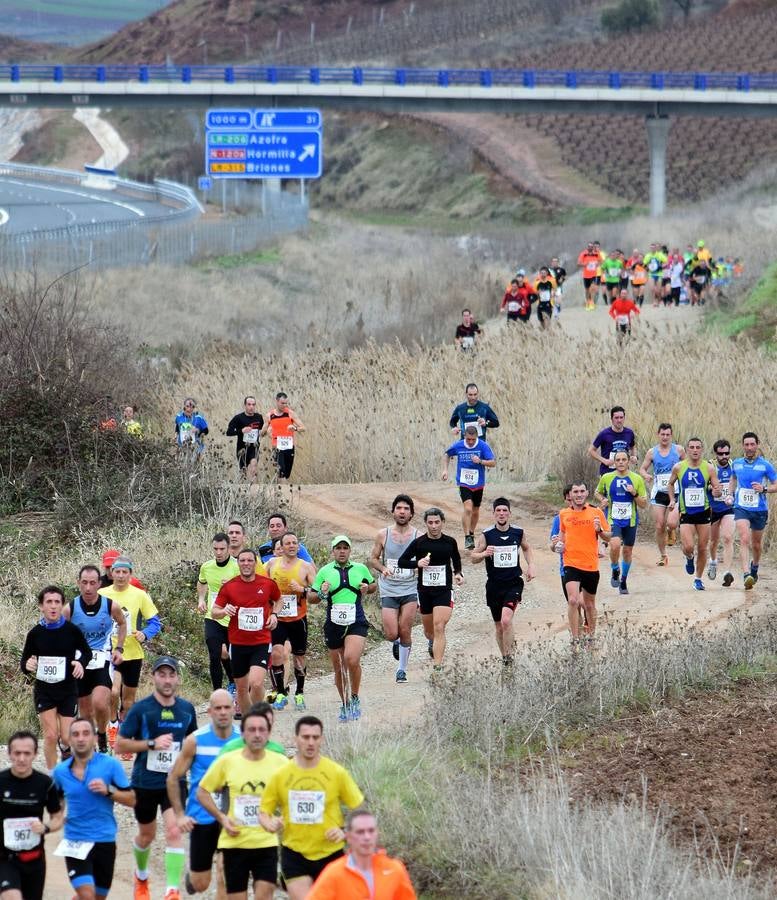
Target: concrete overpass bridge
655	95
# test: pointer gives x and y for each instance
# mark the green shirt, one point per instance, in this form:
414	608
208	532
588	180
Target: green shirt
238	743
654	263
621	506
612	269
214	575
343	590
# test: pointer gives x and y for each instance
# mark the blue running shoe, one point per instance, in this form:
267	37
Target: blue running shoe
280	701
343	715
698	584
615	577
355	711
689	566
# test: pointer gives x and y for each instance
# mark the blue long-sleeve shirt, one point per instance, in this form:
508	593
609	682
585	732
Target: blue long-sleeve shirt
469	413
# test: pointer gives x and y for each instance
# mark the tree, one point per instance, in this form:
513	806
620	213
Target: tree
630	15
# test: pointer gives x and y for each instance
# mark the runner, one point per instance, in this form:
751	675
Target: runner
129	423
623	493
473	411
499	546
638	276
663	457
699	282
246	426
557	547
612	269
97	617
616	437
294	578
343	585
589	260
237	538
91	783
56	652
722	514
751	511
654	262
283	425
303	800
397	587
473	457
676	275
24	794
213	574
467	331
143	624
252	603
518	299
198	753
580	527
545	288
621	310
277	526
437	558
237	743
154	730
695	477
559	273
364	863
190	428
106	577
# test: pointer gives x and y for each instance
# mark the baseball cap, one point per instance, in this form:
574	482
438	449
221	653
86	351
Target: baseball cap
699	243
122	562
166	661
109	556
340	539
521	272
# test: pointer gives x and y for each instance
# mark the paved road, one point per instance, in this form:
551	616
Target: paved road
31	205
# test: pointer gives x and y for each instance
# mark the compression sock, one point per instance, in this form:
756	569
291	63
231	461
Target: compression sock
615	566
299	674
404	656
141	861
102	742
754	568
227	666
278	673
625	570
175	860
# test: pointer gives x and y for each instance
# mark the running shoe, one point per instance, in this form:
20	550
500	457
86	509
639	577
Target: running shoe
102	744
663	561
437	668
280	702
187	883
469	542
615	577
232	689
754	571
271	697
141	889
671	538
507	662
113	731
712	570
172	894
430	647
689	565
343	714
395	649
355	711
299	702
698	584
728	579
749	582
622	588
401	677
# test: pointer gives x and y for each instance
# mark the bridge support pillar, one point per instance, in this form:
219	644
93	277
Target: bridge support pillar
658	133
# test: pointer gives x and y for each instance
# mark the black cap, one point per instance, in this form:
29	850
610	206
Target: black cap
166	661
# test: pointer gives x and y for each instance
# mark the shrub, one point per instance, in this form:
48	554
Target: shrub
630	15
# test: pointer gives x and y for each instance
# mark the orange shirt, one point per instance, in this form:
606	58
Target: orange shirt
620	308
280	423
339	881
639	274
590	263
581	542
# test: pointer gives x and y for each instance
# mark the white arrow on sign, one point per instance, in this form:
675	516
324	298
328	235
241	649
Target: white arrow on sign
308	150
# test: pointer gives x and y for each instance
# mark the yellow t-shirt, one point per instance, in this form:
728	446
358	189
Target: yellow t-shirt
245	780
138	608
310	802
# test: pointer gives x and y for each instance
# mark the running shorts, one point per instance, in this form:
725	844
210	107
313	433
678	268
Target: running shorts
26	877
96	869
335	635
627	533
503	596
428	600
588	581
245	656
203	843
130	672
295	632
94	678
476	496
756	518
295	865
697	518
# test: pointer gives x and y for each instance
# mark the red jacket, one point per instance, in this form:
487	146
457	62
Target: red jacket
525	295
339	881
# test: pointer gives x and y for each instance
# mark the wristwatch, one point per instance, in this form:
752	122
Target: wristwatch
150	743
111	790
119	649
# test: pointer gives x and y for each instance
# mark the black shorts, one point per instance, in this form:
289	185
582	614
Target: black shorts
148	800
335	635
717	516
241	863
587	282
246	454
661	499
26	877
697	518
94	678
284	460
624	327
624	283
476	496
54	697
96	869
589	581
295	865
666	281
130	672
675	295
501	596
245	656
295	632
429	599
203	842
544	309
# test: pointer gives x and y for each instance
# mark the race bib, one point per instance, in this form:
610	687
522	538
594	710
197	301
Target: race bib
725	491
469	476
289	608
653	265
433	576
513	306
693	497
748	499
622	320
250	619
51	669
99	659
247	809
468	342
306	807
400	574
18	834
252	436
621	511
284	443
506	557
590	267
545	296
162	760
73	849
700	279
343	613
662	481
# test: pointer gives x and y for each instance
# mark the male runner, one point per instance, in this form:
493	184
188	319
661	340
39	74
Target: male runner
237	743
248	851
545	287
24	794
623	493
252	602
436	557
294	578
56	652
638	276
473	411
304	801
500	547
612	269
654	261
722	514
246	426
277	526
154	730
397	587
344	878
559	273
237	538
467	331
695	477
343	586
190	427
473	457
749	485
97	616
589	260
213	574
622	308
283	425
91	783
198	753
580	527
615	437
663	457
518	299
